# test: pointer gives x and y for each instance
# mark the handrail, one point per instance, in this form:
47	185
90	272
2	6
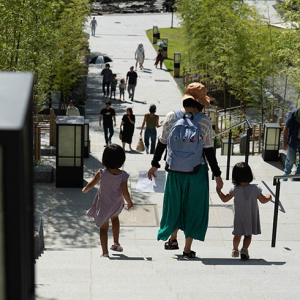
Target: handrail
276	181
233	126
284	177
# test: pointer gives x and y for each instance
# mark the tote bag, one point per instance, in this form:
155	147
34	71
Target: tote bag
140	147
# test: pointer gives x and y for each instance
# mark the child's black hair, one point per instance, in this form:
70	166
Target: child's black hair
189	102
113	157
241	173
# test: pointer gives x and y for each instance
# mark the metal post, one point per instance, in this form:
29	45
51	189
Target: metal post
39	144
36	136
253	138
228	154
259	137
215	147
249	132
275	219
216	122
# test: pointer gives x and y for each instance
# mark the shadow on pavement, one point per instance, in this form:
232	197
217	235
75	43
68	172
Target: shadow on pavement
124	257
231	261
237	262
141	102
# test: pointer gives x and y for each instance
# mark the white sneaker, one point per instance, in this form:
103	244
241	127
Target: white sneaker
235	253
244	253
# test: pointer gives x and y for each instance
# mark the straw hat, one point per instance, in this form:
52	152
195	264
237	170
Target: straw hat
197	92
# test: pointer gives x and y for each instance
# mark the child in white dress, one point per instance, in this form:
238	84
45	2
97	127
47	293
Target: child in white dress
246	217
109	200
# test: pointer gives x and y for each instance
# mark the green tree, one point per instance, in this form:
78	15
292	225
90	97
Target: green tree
227	42
34	37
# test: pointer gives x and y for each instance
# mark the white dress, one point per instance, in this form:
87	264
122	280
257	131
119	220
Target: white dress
140	54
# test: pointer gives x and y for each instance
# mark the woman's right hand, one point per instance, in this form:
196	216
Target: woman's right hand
151	173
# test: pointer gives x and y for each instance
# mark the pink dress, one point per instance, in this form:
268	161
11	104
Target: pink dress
109	200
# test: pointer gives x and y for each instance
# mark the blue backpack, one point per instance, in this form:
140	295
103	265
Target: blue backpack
185	143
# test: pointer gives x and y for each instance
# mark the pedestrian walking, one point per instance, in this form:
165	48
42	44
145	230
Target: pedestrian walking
122	87
108	115
159	57
113	86
186	195
139	56
246	212
151	120
109	200
107	76
128	121
291	142
72	110
93	26
131	79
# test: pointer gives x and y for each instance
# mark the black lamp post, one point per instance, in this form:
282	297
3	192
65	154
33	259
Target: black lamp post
155	35
69	151
212	116
86	138
16	187
270	150
165	47
225	146
176	69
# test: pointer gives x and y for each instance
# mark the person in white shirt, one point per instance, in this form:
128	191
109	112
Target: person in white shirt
72	110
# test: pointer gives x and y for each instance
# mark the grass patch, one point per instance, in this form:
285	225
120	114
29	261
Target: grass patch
174	45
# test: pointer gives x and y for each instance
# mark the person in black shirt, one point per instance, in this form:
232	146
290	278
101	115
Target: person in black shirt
128	121
108	115
107	76
131	78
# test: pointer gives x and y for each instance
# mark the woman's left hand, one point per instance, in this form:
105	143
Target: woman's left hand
219	182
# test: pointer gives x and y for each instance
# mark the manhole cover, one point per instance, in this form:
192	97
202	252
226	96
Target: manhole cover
140	216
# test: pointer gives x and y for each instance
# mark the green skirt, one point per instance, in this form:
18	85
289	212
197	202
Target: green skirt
186	205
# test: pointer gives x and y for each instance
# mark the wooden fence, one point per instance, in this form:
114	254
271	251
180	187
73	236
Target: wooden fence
43	123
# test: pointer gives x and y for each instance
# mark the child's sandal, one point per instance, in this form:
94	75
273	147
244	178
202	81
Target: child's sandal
169	245
116	247
191	254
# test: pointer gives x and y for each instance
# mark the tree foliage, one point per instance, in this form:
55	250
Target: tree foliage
44	37
231	46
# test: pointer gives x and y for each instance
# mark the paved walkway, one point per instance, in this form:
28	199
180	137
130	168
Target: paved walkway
71	267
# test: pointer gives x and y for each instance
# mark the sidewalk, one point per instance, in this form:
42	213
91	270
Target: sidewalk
71	267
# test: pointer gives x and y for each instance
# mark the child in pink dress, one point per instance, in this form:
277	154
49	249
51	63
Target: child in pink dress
109	201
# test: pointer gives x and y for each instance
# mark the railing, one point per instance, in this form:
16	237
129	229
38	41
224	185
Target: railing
276	182
43	123
249	133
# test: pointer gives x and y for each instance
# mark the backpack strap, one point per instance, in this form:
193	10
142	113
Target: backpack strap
196	118
178	113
